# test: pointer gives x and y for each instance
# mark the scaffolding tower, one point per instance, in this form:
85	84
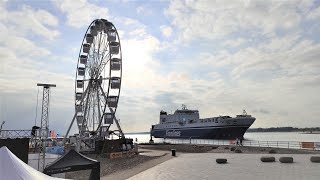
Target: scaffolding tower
44	126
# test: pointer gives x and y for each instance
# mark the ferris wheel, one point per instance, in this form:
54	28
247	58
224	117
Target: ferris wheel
98	80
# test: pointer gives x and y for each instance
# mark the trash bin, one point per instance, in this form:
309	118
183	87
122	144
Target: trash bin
173	152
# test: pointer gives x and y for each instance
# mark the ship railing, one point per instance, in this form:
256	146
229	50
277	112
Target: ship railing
274	144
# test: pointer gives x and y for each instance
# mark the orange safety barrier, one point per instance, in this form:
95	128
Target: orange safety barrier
309	145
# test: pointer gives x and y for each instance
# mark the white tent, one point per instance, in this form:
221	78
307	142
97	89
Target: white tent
12	168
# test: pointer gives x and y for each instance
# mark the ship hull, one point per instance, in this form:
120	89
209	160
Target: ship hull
223	132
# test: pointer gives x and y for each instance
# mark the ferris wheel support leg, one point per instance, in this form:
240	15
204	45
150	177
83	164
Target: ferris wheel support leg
118	125
74	117
79	140
111	110
85	111
65	137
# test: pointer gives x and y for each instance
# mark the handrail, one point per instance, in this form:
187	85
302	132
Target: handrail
275	144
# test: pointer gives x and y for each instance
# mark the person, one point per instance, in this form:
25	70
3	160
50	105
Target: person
241	141
237	141
136	139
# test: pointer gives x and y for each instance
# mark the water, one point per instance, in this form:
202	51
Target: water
253	136
282	136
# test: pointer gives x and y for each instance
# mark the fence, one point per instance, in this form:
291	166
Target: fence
274	144
15	133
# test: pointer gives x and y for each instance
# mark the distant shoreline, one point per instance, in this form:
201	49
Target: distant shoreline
313	130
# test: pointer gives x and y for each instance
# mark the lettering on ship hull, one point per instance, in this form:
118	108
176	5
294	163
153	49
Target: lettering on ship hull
173	133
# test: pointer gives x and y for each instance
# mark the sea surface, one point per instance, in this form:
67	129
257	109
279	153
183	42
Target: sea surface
251	136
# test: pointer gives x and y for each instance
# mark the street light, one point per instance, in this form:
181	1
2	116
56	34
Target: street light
2	125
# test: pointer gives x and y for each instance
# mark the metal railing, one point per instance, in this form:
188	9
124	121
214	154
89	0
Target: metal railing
274	144
15	133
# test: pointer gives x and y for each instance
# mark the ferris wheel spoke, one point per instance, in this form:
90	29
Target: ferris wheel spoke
99	44
92	116
99	108
93	112
102	66
103	94
105	52
102	62
88	114
86	108
105	49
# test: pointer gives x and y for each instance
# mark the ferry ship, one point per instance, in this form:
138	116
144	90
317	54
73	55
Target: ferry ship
186	124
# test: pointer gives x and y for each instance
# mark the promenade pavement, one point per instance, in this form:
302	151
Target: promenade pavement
239	167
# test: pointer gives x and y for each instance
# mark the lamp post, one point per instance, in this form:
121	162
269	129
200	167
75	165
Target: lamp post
2	125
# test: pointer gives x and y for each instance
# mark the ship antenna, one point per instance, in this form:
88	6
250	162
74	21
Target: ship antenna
244	112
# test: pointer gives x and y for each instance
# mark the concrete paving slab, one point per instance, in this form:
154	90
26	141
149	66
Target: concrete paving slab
239	167
153	152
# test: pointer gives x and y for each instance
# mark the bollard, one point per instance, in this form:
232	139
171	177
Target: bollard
135	148
173	152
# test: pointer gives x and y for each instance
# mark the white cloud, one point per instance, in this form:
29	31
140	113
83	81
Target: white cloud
138	61
235	42
216	19
166	30
81	13
314	14
140	9
29	48
216	60
138	32
28	21
25	62
273	77
145	10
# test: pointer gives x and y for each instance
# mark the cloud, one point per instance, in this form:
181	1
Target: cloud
30	49
166	31
279	55
314	14
217	19
140	9
263	111
27	21
81	13
145	10
235	42
26	61
227	56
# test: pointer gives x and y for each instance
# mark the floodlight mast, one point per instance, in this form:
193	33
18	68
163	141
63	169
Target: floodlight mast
44	127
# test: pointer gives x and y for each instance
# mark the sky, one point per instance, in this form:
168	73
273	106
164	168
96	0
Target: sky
219	57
